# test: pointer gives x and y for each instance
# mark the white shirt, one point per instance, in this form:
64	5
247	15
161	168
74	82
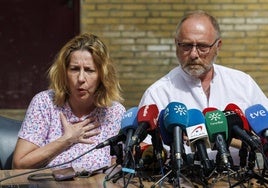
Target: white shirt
227	86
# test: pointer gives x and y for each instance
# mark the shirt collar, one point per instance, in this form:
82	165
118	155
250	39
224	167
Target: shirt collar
66	109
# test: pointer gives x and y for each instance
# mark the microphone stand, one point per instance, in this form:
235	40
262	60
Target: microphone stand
199	171
250	174
177	155
119	161
138	166
161	179
174	170
224	168
130	168
115	150
265	162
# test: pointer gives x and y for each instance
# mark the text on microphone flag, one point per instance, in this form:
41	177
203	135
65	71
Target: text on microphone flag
196	131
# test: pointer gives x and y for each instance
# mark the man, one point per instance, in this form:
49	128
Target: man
198	82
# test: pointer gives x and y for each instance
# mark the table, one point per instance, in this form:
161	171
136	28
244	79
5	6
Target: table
95	181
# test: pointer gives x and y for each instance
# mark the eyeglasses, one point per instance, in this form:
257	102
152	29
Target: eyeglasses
201	48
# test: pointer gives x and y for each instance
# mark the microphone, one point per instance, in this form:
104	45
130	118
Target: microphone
158	148
258	119
235	125
158	153
239	112
147	120
153	130
257	116
217	129
176	118
167	137
198	136
209	109
243	151
112	141
129	124
146	117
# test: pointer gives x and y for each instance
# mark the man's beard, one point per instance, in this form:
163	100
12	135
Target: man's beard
197	69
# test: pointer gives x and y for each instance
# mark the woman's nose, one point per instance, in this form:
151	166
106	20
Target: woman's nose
81	76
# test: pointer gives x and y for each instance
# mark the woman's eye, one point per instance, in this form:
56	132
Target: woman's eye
78	69
89	70
74	69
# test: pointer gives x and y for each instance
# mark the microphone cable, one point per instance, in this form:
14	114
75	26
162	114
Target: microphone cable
48	167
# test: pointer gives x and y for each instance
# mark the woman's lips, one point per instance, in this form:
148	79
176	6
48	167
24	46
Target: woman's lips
82	91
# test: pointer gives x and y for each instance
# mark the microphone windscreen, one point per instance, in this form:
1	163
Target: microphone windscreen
195	117
129	120
239	112
148	114
167	138
257	118
176	114
196	128
216	123
209	109
233	118
234	123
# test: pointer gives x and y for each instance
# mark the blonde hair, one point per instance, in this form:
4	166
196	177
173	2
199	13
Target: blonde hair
109	87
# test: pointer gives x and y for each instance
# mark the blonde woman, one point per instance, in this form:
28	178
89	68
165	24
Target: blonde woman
80	109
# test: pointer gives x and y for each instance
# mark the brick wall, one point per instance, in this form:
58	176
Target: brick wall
140	33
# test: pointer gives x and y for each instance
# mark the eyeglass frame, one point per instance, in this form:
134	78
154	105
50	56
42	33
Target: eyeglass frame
197	46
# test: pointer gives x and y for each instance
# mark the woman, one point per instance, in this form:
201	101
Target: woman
80	109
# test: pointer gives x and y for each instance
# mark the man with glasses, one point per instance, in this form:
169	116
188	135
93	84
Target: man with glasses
198	82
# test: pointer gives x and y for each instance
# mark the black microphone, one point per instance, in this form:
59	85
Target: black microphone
243	151
198	136
158	149
157	143
112	141
236	129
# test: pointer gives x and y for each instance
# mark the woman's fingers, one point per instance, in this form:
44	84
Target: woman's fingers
80	131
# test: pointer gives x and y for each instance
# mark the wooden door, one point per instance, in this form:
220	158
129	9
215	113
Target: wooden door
31	33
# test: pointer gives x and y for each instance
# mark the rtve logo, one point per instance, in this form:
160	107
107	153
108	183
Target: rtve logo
259	113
